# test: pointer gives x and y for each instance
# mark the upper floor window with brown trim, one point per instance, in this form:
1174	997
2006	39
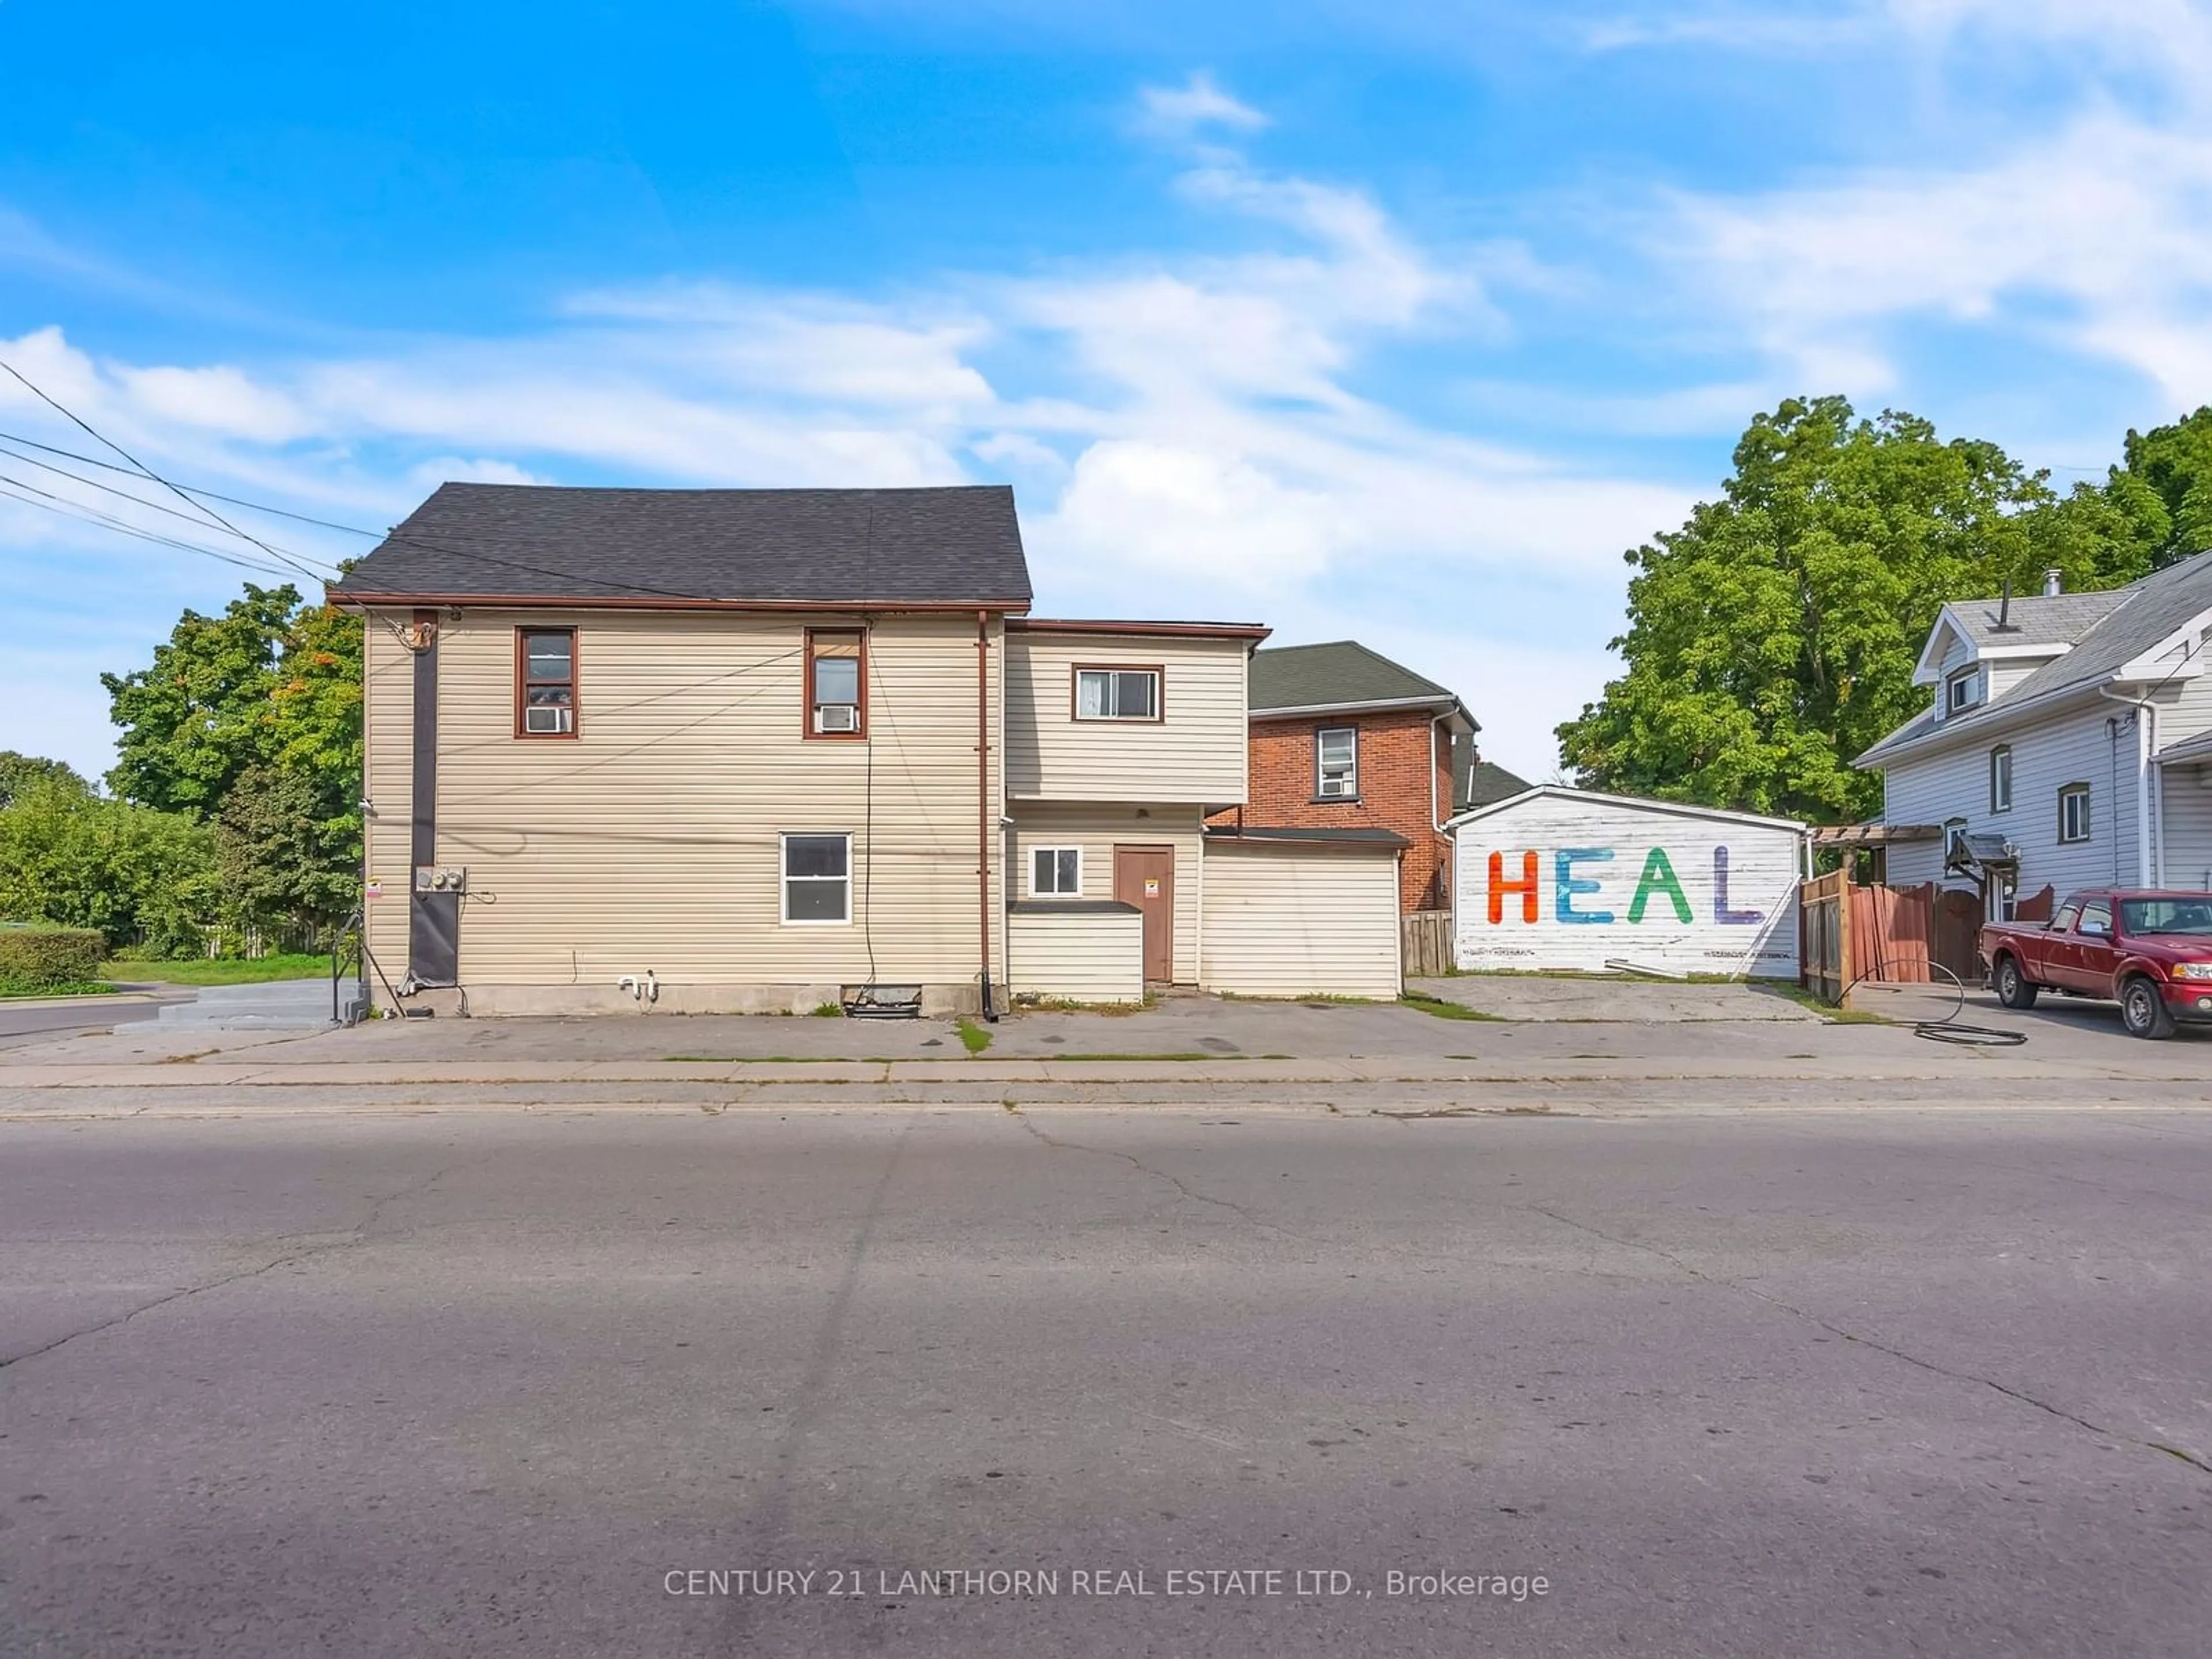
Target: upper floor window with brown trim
1114	693
544	682
836	683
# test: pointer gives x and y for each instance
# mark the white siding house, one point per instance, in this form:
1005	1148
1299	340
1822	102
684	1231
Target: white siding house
1565	878
2064	745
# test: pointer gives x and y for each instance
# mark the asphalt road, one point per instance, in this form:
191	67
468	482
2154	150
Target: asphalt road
1800	1383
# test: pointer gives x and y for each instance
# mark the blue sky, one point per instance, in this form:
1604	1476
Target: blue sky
1398	322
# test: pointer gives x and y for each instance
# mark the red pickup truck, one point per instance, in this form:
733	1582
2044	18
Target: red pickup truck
2149	951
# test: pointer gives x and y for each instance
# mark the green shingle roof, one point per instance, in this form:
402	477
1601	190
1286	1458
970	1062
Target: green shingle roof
1332	676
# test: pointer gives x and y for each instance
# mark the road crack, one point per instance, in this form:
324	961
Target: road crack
355	1235
1878	1347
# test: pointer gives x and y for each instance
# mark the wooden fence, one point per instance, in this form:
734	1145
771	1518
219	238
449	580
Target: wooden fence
1425	943
1897	935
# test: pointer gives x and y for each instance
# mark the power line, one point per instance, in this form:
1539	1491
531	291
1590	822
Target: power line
94	433
139	500
106	521
465	545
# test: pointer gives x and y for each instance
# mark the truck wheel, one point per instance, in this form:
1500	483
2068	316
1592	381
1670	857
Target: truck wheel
2143	1011
2013	991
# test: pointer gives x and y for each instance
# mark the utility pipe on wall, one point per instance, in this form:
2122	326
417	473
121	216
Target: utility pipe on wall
2150	851
983	813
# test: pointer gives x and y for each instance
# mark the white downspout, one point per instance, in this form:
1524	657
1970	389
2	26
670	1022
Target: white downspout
2150	851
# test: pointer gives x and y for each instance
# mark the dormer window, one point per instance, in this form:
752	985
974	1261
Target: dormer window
1963	690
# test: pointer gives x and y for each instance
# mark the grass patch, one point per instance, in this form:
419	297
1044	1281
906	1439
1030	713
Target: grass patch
973	1038
1805	998
1069	1005
1442	1009
220	971
827	1011
84	988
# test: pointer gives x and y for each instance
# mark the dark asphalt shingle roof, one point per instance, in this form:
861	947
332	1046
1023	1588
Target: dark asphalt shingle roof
1359	837
2127	621
1331	676
1478	782
956	545
2037	618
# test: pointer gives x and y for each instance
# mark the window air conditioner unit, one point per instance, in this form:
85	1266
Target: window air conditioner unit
1336	786
547	721
837	717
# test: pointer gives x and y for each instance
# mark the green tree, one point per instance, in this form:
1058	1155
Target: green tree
252	721
2165	488
70	857
1772	637
20	772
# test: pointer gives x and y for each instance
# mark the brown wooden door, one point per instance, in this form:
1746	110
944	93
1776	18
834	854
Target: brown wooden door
1145	877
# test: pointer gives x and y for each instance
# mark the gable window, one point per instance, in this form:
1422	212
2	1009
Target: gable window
2074	813
1117	693
2001	778
544	682
836	683
1055	871
1963	690
1336	762
817	879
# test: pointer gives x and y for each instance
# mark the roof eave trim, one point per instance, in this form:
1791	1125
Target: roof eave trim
1378	706
355	600
1679	808
2001	716
1029	624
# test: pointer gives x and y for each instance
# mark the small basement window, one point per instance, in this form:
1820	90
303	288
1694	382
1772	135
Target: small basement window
836	684
545	682
2074	813
817	879
1117	693
1336	763
1055	871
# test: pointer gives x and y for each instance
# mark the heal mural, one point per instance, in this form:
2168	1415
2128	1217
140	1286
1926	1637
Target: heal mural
1657	881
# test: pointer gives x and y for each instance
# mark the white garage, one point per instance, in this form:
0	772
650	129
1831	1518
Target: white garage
1564	878
1292	912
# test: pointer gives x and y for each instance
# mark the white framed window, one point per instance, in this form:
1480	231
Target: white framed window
2074	813
2001	778
1055	871
1336	762
1963	690
817	880
1955	838
1117	693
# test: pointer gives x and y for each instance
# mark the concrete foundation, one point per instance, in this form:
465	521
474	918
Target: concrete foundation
496	1001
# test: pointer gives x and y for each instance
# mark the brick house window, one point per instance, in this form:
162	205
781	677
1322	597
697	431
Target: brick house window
544	682
1336	763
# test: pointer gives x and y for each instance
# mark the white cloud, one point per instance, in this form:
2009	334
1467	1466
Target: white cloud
1181	112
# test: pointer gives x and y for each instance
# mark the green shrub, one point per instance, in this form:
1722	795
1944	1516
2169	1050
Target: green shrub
38	959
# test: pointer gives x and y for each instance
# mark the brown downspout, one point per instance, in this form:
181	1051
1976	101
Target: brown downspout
983	825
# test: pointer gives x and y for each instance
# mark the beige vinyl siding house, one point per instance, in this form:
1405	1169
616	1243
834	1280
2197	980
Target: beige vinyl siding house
651	839
762	751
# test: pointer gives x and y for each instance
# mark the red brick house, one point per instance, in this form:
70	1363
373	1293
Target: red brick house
1343	739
